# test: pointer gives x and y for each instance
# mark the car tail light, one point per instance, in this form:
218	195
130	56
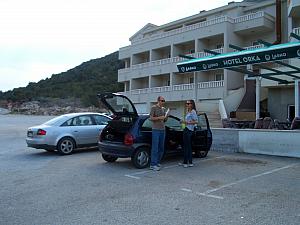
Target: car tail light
128	139
100	136
41	132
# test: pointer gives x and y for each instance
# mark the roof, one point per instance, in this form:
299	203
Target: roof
233	60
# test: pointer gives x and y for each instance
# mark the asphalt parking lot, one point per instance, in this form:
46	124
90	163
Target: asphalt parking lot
37	187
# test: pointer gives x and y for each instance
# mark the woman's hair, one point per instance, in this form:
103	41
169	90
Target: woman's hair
193	104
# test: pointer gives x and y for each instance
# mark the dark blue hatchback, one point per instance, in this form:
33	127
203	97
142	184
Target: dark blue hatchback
129	134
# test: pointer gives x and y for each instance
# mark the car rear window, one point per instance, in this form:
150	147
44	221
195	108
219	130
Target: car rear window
56	120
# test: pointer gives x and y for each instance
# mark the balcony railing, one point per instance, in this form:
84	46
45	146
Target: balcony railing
211	84
167	61
296	31
203	24
183	29
161	89
178	87
249	17
183	87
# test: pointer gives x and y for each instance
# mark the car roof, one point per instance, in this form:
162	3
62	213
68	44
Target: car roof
84	113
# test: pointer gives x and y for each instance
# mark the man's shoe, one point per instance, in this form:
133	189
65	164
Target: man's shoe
155	168
185	165
190	164
159	165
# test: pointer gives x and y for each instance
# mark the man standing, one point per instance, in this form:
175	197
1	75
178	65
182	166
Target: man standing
158	116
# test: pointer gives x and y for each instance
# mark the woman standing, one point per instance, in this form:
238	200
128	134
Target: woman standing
190	122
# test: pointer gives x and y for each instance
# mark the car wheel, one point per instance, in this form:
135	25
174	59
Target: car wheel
66	146
141	158
109	158
201	153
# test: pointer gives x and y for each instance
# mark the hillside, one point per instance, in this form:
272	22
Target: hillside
82	82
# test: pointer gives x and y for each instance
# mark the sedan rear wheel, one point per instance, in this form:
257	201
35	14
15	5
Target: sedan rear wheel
141	158
66	146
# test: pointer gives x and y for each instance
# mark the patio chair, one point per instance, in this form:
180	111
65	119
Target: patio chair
268	123
295	123
227	123
258	123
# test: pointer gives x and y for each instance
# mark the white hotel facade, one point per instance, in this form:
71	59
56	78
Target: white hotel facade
150	60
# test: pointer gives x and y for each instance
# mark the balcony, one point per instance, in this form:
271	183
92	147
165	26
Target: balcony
259	20
297	31
207	90
183	29
254	23
135	70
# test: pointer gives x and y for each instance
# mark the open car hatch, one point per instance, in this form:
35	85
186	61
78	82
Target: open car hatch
118	104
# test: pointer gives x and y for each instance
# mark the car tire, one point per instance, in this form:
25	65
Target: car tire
141	158
109	158
66	146
201	153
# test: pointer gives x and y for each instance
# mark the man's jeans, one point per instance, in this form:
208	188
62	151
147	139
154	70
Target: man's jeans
158	145
187	146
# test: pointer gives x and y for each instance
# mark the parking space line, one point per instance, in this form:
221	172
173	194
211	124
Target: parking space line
133	175
208	193
249	178
186	190
202	194
210	196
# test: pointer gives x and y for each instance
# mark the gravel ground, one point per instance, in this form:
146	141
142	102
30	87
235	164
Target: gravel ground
37	187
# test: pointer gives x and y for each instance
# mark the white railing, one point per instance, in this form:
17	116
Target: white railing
211	84
203	24
168	60
222	109
183	29
183	87
140	91
248	17
178	87
254	47
161	89
296	30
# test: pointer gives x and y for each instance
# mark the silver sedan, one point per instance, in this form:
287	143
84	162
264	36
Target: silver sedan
67	132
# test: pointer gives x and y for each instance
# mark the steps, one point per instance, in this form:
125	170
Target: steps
214	119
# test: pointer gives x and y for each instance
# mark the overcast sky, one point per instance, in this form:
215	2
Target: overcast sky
39	38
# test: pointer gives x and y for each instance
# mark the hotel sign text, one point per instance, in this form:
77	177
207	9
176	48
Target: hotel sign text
241	58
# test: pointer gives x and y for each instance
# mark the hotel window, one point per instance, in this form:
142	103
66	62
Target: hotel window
219	76
219	46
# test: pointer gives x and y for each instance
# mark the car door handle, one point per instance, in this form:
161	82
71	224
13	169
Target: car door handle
75	131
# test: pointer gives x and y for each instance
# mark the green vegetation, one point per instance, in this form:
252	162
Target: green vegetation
82	82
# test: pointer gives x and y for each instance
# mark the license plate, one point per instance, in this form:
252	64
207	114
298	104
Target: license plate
29	134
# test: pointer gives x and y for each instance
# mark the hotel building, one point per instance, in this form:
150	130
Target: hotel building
150	60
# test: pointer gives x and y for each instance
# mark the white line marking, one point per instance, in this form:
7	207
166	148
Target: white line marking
211	196
202	194
130	176
249	178
185	189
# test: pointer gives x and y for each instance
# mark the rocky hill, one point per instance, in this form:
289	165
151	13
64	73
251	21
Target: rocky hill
73	90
